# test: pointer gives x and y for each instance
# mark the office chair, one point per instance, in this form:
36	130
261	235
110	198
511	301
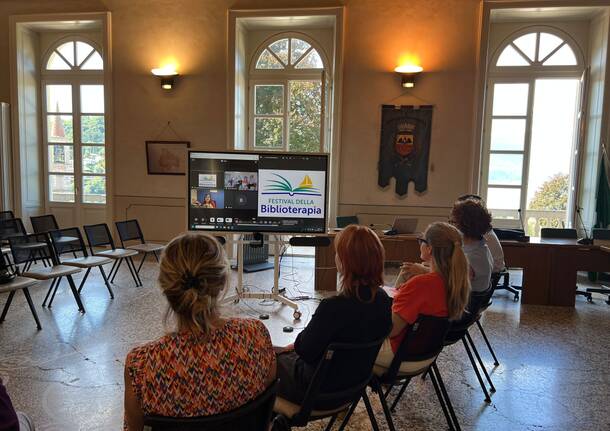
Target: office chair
345	221
551	233
604	235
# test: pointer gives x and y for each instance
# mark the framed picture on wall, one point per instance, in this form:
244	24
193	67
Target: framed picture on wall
166	157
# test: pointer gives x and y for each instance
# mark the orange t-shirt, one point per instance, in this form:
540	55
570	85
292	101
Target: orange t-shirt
422	294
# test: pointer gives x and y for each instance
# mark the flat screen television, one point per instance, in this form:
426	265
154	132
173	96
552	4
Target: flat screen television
257	192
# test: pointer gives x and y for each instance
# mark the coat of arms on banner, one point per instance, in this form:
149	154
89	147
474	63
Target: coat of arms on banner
405	139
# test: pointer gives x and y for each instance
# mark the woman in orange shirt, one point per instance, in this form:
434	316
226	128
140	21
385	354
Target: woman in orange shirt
442	292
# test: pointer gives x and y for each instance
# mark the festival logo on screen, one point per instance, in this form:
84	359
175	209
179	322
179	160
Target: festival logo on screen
291	193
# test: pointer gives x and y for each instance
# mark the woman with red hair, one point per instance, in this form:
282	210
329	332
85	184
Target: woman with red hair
360	313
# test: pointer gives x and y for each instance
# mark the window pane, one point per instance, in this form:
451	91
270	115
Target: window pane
94	160
94	62
59	98
94	189
82	51
61	188
563	57
67	51
510	57
59	128
57	63
548	42
527	44
311	61
92	99
305	116
61	158
280	48
505	169
297	49
269	99
507	135
268	61
510	99
268	132
92	129
503	199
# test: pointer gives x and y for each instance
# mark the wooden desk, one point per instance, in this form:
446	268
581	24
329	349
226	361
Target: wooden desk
549	266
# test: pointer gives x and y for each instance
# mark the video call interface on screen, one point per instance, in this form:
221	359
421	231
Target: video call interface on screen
257	192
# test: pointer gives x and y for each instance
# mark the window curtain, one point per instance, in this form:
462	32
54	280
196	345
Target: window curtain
603	191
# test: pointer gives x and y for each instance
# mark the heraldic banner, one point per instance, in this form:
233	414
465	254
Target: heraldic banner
405	146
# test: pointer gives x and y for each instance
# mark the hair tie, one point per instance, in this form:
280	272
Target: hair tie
189	281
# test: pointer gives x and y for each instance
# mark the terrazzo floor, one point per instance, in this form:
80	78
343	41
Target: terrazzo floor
553	375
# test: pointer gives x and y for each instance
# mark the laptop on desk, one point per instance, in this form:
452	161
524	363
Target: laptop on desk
402	225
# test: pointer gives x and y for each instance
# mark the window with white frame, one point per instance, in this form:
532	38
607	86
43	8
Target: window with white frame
74	123
531	128
287	95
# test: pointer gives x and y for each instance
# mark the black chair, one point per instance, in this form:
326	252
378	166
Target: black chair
552	233
458	331
14	227
17	283
26	248
416	356
604	235
44	223
253	416
322	401
504	275
9	227
129	230
98	235
345	221
74	245
5	215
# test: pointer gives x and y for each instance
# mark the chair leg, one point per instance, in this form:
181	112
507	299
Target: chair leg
112	270
491	350
330	424
441	400
476	370
7	306
106	282
28	298
142	262
81	307
371	413
134	272
386	411
156	257
54	292
82	282
116	269
44	303
439	378
476	353
399	396
349	414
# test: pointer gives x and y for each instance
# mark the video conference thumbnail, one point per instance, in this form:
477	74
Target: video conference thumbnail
241	181
207	198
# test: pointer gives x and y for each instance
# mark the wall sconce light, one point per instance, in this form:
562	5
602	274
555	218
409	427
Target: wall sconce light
407	73
167	74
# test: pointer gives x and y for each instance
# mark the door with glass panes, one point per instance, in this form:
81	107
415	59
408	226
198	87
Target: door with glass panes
74	136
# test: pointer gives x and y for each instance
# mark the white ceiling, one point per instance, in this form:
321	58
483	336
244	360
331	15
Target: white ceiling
546	13
273	22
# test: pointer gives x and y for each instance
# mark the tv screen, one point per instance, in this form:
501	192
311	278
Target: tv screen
257	192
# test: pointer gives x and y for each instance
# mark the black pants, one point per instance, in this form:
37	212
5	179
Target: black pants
289	388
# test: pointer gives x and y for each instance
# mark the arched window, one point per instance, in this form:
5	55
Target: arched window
533	100
75	129
287	95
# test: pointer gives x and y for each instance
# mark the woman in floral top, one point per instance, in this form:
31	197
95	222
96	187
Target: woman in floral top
211	364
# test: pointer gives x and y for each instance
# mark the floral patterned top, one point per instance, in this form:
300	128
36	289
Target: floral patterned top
186	374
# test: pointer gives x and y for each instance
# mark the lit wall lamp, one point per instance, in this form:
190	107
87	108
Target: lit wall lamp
167	74
407	74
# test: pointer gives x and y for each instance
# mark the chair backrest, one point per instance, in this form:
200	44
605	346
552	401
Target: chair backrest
98	235
345	221
44	223
129	230
67	240
319	394
553	233
5	215
30	248
253	416
11	227
603	234
423	340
